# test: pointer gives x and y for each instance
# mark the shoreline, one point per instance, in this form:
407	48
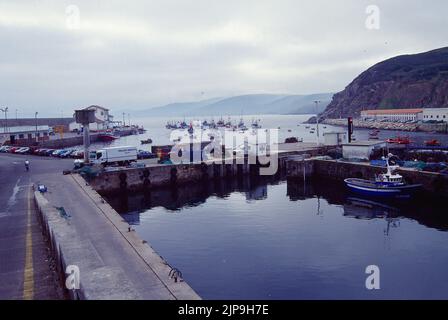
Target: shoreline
441	128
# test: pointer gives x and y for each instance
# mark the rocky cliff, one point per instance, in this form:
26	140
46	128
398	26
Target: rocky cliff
408	81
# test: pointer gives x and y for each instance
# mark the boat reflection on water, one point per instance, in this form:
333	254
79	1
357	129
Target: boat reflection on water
131	205
426	209
364	208
361	208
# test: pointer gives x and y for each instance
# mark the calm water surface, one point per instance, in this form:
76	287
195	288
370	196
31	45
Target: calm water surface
272	239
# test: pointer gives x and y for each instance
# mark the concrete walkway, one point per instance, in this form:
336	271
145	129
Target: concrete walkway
114	262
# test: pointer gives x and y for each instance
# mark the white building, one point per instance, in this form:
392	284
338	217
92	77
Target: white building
25	135
361	150
103	120
435	114
335	138
392	115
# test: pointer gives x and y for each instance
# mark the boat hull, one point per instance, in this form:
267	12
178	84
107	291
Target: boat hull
370	188
106	138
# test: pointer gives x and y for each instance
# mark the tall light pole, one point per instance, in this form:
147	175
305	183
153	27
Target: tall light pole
124	123
35	119
16	116
5	110
317	120
129	119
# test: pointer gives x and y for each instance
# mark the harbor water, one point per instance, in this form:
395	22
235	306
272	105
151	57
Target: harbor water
287	125
267	238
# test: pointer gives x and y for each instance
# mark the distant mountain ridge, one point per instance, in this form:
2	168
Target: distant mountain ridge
407	81
245	104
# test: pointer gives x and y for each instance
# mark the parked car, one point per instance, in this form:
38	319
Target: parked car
78	154
22	150
56	152
48	152
142	154
65	153
42	152
5	149
17	149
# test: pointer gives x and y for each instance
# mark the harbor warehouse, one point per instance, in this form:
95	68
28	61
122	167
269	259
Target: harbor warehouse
392	115
361	150
436	114
402	115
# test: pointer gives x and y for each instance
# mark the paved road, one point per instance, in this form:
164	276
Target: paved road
112	265
25	267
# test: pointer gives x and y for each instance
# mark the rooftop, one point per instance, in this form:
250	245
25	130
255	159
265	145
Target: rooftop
21	129
392	111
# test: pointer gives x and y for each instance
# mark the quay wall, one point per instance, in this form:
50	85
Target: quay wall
432	182
66	142
137	179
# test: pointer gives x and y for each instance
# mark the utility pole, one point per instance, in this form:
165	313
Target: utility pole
5	110
35	119
317	120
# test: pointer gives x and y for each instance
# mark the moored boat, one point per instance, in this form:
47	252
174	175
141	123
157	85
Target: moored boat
147	141
399	140
432	143
373	135
106	137
386	185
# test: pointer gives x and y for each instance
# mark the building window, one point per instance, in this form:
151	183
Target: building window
21	136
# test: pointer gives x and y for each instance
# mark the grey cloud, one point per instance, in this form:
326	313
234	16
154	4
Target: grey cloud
146	53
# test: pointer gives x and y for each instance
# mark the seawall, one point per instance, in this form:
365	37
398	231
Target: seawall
154	176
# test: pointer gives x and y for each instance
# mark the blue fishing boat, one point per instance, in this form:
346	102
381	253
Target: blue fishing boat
385	185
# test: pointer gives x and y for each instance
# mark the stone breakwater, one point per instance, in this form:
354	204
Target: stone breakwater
411	127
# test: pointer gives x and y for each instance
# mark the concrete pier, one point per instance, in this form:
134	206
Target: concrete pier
114	262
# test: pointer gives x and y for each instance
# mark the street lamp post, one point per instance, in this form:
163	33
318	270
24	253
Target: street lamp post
35	118
5	110
124	122
317	120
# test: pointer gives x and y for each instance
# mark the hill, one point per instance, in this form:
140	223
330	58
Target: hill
407	81
244	104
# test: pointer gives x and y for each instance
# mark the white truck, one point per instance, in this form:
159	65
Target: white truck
121	155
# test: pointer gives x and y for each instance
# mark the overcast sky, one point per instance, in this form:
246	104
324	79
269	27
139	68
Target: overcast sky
137	54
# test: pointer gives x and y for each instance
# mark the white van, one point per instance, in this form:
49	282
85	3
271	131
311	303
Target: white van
121	155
